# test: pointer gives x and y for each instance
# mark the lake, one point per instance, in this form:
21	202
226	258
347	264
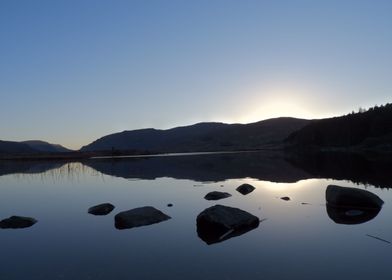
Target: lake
300	238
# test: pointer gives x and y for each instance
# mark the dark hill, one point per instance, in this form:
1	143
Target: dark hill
46	147
10	147
371	129
201	137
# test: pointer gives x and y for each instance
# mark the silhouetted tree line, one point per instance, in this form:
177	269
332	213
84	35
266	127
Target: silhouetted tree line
367	128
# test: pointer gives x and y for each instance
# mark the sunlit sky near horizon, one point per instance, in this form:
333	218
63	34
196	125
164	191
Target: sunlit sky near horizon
72	71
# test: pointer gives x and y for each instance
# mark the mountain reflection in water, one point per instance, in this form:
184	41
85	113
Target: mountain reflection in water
266	166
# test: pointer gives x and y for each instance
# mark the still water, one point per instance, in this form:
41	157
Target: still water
297	239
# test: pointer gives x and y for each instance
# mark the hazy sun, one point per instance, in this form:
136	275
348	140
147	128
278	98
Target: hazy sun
279	102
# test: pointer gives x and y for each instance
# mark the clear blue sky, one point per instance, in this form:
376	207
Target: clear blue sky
74	70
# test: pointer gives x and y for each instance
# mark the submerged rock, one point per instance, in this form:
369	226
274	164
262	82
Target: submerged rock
101	209
17	222
138	217
245	189
216	195
351	206
218	223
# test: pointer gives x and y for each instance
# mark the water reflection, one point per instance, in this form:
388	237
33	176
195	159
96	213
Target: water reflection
204	168
296	237
357	168
349	216
28	167
265	166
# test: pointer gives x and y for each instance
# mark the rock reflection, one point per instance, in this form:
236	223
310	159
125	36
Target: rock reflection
349	216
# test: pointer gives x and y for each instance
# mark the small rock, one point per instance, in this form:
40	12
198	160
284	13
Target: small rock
101	209
219	223
17	222
245	189
285	198
216	195
138	217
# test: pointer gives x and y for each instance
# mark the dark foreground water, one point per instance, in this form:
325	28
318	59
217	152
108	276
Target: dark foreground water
297	239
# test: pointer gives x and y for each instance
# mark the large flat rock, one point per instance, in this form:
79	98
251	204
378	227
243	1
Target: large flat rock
138	217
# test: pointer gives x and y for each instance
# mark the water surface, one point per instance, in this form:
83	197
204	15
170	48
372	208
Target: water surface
297	239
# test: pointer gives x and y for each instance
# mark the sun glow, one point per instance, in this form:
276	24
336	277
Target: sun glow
280	102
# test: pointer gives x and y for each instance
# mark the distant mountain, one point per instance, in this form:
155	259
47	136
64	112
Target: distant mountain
30	147
42	146
371	129
201	137
10	147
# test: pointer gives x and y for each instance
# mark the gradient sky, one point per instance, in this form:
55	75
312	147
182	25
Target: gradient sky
72	71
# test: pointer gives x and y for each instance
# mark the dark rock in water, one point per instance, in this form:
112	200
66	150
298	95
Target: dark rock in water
218	223
286	198
17	222
245	189
170	205
216	195
351	197
101	209
138	217
351	206
347	216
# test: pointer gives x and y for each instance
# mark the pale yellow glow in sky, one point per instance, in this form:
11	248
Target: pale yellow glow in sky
281	101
